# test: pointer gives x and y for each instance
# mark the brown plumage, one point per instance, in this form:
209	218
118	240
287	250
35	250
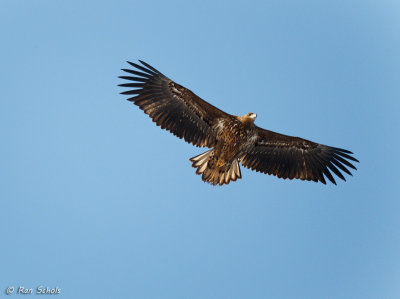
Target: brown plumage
233	139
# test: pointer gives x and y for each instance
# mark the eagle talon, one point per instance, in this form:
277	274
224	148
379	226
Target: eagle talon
220	163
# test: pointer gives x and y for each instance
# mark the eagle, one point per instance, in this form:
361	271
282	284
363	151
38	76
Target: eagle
232	139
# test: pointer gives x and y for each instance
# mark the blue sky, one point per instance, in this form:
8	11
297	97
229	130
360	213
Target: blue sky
100	202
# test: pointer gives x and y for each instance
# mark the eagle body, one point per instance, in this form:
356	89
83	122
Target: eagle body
232	139
233	135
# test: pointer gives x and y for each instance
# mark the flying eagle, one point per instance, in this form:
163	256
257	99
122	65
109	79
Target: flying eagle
232	139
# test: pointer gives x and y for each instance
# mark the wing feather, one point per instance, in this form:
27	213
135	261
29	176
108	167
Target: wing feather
296	158
172	106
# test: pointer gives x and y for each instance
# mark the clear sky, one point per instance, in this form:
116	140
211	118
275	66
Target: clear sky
101	203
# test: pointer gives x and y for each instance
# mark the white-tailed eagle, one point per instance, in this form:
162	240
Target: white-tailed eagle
232	139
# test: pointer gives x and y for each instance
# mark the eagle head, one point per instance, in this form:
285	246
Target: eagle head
251	115
248	118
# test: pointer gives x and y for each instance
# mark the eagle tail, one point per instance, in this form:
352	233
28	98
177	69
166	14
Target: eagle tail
213	174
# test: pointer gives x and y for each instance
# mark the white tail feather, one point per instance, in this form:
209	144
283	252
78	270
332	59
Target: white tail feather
215	175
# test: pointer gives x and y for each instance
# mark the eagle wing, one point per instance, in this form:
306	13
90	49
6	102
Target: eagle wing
296	158
172	106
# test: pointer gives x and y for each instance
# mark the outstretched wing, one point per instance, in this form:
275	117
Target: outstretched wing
296	158
172	106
